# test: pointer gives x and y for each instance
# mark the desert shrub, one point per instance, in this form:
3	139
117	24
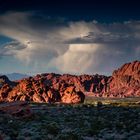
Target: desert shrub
119	126
68	136
53	128
13	134
96	126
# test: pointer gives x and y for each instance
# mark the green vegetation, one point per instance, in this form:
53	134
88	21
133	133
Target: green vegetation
105	119
113	101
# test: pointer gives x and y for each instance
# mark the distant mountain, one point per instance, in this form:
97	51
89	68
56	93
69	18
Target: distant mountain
16	76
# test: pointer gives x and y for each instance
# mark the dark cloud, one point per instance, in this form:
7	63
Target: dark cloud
101	10
10	47
73	46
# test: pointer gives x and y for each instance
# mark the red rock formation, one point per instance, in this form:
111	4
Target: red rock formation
4	91
41	88
71	96
17	109
125	81
50	87
5	80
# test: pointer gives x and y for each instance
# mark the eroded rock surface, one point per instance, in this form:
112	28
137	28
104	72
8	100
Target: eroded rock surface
51	87
125	82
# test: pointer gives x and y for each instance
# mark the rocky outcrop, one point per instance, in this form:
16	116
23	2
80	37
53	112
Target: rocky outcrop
4	80
41	88
125	82
71	96
17	109
66	88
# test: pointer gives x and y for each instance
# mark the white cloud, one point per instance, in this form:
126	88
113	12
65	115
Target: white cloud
75	30
85	48
74	47
78	58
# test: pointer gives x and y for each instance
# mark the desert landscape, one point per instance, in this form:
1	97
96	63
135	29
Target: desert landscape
69	70
68	107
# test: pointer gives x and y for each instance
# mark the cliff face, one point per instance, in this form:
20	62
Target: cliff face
125	81
42	88
50	87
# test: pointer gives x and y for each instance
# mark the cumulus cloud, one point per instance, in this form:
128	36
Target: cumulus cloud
78	58
70	47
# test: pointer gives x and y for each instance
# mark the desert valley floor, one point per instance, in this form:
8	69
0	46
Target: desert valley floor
102	119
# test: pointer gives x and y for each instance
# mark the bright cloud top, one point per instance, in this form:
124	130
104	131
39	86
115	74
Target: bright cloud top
70	47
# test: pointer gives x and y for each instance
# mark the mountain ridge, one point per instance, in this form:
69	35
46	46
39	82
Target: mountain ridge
67	88
16	76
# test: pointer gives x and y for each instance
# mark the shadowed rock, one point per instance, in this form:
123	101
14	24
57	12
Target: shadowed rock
17	109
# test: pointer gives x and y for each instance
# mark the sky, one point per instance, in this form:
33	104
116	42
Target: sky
76	37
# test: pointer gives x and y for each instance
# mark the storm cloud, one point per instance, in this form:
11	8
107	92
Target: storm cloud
69	46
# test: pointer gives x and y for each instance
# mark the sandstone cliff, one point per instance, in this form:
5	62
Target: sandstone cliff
51	87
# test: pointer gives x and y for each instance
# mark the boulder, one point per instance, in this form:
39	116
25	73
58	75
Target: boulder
71	96
17	109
